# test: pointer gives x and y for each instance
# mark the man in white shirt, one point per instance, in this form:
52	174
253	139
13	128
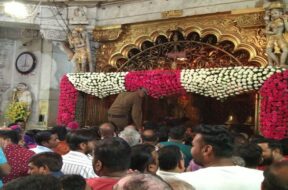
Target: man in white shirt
171	161
77	160
212	148
46	141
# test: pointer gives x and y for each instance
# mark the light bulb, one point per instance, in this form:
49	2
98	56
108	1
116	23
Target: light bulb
16	9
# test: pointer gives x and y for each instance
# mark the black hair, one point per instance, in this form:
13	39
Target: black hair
10	134
42	136
75	138
274	178
141	157
272	143
177	132
34	182
219	138
169	157
114	153
73	182
61	131
251	153
163	134
50	159
284	143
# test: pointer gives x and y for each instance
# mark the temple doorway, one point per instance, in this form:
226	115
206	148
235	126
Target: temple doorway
237	111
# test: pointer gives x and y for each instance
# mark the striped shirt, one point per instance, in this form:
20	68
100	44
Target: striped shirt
75	162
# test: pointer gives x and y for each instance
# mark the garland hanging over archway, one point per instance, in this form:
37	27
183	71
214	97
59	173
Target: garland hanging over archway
219	83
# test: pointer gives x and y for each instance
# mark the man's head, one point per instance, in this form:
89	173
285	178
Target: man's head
149	137
178	184
271	150
276	176
9	137
131	136
211	143
251	153
177	133
47	139
141	182
144	158
81	140
171	159
111	155
73	182
34	182
107	130
45	163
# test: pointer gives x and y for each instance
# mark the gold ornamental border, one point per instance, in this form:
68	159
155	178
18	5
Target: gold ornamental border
243	30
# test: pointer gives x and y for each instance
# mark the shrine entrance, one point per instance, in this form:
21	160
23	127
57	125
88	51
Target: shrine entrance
152	45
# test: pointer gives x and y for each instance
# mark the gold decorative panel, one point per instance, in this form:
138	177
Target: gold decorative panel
243	30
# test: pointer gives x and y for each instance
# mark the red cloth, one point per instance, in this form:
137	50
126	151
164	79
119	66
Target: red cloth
17	157
101	183
62	148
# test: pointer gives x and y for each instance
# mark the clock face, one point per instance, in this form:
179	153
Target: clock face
25	62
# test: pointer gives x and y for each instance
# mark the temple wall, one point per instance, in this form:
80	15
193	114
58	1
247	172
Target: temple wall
53	63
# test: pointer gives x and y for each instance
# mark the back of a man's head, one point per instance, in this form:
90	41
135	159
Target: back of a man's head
131	136
219	138
107	130
43	136
9	134
73	182
178	184
141	182
34	182
75	138
251	153
114	155
276	176
169	157
177	132
142	157
149	136
51	160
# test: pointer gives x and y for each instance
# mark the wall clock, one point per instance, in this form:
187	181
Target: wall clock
25	62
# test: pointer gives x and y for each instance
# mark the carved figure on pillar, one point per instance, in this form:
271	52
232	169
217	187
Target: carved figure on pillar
79	51
277	48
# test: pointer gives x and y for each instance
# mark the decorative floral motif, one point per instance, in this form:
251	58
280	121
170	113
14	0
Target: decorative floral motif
157	82
67	102
221	83
17	111
274	106
98	84
218	83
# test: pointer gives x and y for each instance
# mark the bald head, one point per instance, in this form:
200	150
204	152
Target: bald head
107	130
141	182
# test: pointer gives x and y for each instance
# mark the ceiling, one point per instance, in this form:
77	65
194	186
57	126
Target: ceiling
102	2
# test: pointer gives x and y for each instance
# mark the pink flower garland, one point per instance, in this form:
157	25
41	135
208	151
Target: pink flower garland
157	82
274	106
67	102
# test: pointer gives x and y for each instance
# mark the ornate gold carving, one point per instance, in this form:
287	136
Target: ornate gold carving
251	20
225	26
172	14
106	34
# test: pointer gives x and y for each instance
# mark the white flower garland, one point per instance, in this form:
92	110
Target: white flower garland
221	83
98	84
218	83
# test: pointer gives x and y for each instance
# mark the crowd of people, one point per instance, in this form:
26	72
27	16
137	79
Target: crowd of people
171	155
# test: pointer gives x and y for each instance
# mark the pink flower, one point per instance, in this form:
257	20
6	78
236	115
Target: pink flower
274	102
67	102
